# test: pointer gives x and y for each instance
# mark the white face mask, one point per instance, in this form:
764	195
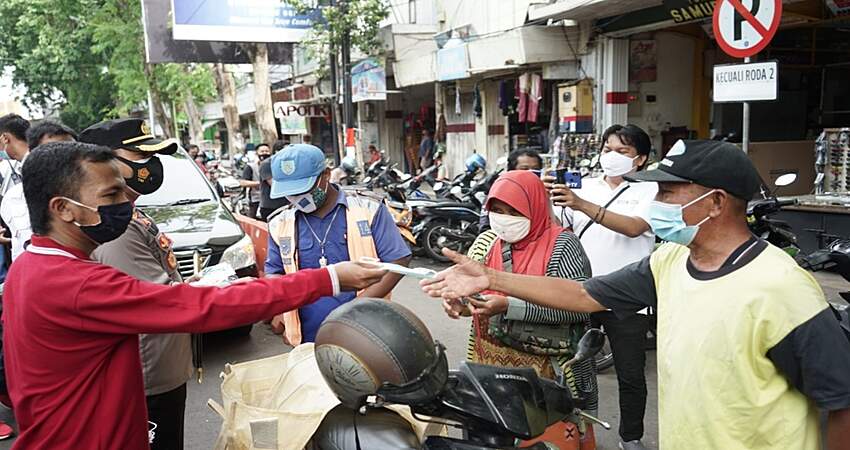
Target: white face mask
510	229
615	164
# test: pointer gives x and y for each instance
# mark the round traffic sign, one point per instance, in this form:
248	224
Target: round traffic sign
745	27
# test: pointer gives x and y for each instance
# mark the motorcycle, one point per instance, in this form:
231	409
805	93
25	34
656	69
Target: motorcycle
774	231
494	407
454	225
835	257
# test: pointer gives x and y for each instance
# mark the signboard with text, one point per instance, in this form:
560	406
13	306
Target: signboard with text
240	21
286	109
682	11
746	82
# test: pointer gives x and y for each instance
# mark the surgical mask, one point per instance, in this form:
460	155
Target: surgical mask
510	229
147	175
309	201
114	220
615	164
667	222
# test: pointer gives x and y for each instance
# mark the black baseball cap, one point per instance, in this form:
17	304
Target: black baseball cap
713	164
132	134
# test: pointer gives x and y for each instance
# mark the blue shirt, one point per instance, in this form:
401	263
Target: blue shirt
388	243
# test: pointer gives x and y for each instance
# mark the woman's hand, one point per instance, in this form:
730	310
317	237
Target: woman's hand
494	305
455	308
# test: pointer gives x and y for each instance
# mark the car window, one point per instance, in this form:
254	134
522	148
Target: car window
182	181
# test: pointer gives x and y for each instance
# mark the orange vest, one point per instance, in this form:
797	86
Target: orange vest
282	227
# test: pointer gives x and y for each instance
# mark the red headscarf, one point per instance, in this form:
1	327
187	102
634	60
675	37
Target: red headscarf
523	191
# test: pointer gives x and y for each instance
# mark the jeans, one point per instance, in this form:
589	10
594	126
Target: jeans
628	342
166	410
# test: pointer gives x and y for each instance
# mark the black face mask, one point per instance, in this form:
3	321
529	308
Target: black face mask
114	220
147	176
263	157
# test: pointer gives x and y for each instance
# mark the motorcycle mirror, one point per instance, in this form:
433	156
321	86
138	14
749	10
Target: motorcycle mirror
589	344
594	161
584	163
438	186
785	180
367	180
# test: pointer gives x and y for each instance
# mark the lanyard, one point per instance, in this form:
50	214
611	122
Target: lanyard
323	261
49	251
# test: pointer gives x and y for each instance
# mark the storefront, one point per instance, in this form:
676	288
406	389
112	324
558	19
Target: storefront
670	53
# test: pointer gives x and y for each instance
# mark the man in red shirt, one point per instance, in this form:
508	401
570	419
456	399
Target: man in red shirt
71	325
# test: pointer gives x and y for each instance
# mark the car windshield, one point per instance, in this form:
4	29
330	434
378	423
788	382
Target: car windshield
183	183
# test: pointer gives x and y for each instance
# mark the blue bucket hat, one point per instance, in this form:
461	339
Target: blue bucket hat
295	169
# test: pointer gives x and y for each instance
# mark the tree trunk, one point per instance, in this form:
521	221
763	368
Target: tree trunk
262	93
196	127
226	87
162	118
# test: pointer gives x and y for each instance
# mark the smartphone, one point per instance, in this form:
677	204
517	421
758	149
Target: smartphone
567	177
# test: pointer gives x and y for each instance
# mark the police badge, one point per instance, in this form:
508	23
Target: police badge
285	246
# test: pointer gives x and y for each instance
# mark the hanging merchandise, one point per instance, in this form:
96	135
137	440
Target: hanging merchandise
476	101
440	133
457	99
506	96
534	96
523	86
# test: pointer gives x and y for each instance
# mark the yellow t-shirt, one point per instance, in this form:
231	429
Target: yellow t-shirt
744	353
717	388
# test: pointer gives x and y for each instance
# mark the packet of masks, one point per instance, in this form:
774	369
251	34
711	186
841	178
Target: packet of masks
419	272
219	275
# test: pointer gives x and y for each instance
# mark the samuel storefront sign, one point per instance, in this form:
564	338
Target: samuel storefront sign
453	61
682	11
746	82
293	117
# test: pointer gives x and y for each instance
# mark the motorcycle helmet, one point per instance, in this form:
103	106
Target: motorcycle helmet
475	162
375	347
349	164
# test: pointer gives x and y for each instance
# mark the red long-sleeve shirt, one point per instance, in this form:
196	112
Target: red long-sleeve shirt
70	336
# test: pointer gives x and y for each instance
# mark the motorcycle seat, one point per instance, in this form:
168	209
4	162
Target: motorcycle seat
452	205
342	428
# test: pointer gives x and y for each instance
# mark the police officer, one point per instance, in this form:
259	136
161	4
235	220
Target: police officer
324	225
145	253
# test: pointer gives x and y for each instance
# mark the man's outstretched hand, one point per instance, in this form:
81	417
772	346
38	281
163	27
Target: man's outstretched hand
465	278
354	276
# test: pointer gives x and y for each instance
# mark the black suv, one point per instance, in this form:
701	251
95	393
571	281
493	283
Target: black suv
188	209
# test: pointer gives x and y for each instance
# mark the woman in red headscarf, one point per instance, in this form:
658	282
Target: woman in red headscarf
525	239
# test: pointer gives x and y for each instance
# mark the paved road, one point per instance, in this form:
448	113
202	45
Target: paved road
202	424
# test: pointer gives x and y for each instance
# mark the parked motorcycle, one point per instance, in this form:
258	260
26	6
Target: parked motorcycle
775	231
494	407
454	225
835	257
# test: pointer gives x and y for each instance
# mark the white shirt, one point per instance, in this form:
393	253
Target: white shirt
609	250
17	217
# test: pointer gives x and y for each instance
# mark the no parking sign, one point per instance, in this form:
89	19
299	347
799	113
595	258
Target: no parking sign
745	27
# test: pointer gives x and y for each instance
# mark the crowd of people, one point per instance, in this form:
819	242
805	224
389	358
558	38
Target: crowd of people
748	349
94	295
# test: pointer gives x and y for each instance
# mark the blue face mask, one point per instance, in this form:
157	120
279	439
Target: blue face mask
667	222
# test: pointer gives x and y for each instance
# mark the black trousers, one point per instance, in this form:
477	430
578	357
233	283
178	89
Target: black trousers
628	342
252	209
265	213
166	410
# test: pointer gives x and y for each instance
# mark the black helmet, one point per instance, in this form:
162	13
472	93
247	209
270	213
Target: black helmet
376	347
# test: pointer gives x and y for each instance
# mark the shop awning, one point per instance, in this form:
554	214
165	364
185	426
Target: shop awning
587	10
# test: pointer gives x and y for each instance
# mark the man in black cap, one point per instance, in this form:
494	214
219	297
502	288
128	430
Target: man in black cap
145	253
748	348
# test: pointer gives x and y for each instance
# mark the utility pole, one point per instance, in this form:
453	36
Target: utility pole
347	107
